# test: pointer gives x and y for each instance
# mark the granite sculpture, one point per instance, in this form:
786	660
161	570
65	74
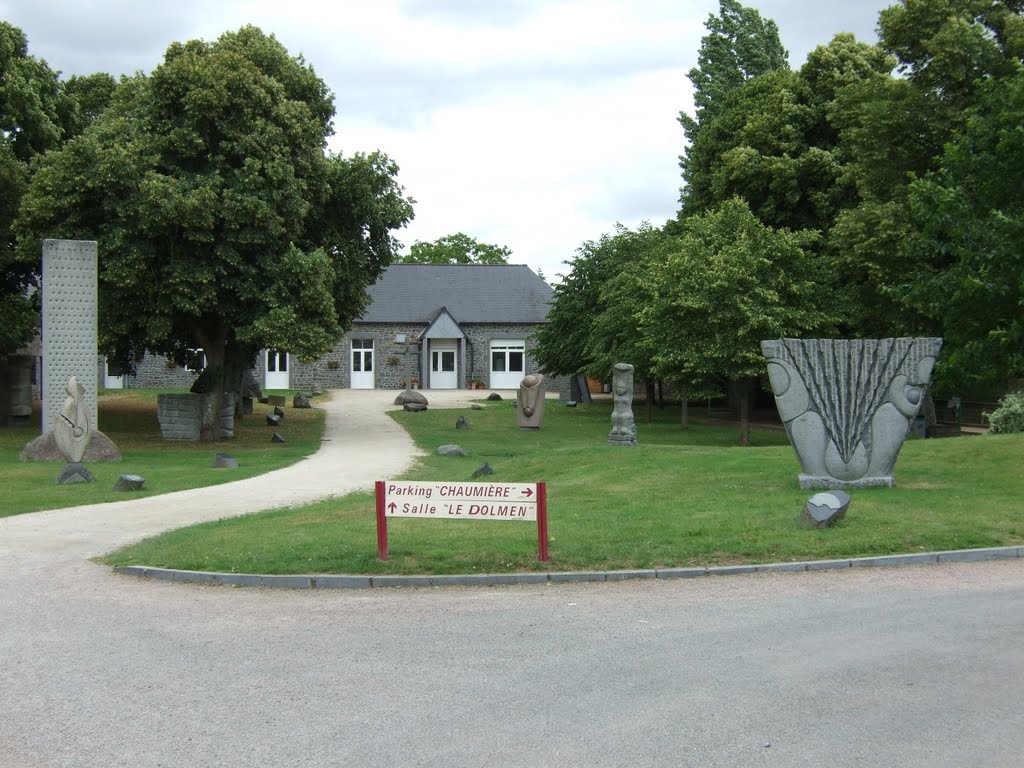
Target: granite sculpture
847	404
623	426
530	402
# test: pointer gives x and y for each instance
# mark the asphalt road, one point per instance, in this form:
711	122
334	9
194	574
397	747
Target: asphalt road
858	667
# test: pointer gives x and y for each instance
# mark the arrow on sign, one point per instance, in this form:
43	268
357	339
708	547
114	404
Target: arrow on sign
528	492
391	506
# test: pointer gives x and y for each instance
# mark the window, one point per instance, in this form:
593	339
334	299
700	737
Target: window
195	360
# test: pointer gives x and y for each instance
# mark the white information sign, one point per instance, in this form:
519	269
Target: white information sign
460	501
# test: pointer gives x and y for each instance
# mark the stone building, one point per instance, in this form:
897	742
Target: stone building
431	326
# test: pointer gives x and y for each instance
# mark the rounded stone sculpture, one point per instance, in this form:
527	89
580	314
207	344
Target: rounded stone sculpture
847	404
530	402
72	429
623	426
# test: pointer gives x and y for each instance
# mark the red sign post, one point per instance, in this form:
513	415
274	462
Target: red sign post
462	501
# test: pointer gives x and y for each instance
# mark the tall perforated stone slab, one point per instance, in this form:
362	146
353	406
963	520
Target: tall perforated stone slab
69	324
847	403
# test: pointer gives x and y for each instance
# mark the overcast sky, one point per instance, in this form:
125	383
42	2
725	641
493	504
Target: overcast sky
533	124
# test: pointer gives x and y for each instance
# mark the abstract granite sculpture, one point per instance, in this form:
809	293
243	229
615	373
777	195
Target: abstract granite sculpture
530	402
847	403
623	427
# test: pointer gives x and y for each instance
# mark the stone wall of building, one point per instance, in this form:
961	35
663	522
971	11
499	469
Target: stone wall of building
159	372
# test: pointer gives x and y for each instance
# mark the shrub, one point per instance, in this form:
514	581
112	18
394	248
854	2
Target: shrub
1009	416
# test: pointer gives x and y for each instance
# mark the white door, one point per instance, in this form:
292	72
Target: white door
111	382
362	364
508	364
444	373
276	376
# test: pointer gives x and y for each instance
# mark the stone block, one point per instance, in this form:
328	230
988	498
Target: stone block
278	400
129	483
224	461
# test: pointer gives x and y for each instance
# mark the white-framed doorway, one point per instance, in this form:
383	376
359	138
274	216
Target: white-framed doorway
275	369
508	363
444	364
361	364
110	381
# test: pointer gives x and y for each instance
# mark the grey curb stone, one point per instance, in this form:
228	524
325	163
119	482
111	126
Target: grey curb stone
972	555
564	577
828	565
630	575
341	582
682	573
890	561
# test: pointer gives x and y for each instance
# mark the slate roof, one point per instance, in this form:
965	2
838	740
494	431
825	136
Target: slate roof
473	293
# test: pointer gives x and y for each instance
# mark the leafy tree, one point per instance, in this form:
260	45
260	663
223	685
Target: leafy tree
966	229
563	343
729	283
29	125
456	249
740	45
221	221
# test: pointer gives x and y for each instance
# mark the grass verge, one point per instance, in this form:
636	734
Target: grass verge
680	498
128	417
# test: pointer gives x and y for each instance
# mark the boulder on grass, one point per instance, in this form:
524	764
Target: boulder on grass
494	396
411	396
414	407
273	419
74	472
276	438
129	483
451	450
300	401
484	469
824	509
461	423
225	461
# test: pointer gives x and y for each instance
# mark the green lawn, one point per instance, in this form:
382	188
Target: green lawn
128	417
680	498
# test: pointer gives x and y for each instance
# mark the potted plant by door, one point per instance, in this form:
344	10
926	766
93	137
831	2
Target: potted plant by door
414	383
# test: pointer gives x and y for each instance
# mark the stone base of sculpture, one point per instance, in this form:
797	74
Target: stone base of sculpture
847	404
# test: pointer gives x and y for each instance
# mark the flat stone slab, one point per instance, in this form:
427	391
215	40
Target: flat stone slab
273	419
416	407
275	400
451	450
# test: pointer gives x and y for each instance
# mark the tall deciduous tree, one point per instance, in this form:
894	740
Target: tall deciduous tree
456	249
222	223
729	283
967	229
30	109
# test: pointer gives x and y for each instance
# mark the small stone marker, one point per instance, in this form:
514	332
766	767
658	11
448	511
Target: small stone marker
484	469
476	406
823	509
317	389
276	438
451	450
247	406
225	461
461	423
494	396
275	400
273	419
278	411
74	472
414	407
570	403
129	483
300	401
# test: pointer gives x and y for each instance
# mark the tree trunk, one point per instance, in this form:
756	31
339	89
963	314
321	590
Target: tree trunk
684	415
744	393
661	395
650	399
214	343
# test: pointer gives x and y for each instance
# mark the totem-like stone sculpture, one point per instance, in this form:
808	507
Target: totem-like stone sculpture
530	401
72	430
623	427
847	403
